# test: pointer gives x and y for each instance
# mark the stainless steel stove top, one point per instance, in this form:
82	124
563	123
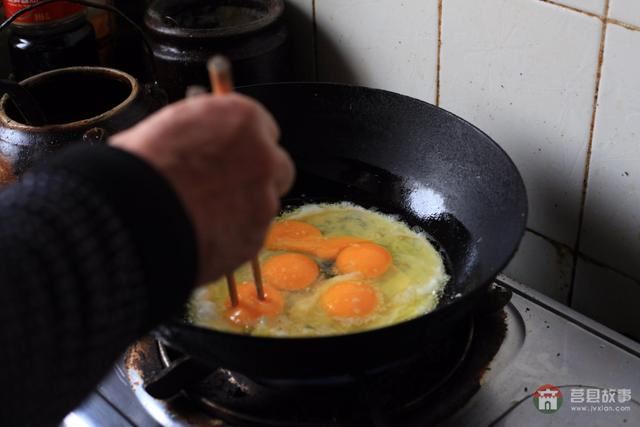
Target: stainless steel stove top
587	375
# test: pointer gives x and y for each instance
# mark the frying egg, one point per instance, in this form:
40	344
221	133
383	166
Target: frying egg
368	259
250	308
330	247
330	269
290	271
349	299
284	233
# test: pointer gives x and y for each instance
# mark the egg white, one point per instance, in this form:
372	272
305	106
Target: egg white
410	288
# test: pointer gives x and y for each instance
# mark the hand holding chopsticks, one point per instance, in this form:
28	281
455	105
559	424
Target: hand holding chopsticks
220	157
221	84
267	159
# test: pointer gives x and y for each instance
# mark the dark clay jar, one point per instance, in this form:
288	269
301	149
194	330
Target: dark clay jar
80	105
186	33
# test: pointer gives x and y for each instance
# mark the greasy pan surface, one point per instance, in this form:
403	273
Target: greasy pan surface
398	155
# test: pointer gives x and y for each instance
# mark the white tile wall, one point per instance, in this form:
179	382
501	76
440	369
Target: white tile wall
515	68
299	15
593	6
611	231
627	11
377	43
608	297
544	266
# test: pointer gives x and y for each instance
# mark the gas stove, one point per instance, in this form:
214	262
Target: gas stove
536	362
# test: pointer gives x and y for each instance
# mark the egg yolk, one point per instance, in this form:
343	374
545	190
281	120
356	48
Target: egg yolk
290	272
291	235
349	299
250	308
307	246
330	247
369	259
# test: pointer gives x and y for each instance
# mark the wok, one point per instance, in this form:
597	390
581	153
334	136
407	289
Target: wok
401	156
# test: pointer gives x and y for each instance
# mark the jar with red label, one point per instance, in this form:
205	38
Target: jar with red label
56	35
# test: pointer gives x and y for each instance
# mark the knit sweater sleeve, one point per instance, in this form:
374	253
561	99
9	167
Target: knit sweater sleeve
95	248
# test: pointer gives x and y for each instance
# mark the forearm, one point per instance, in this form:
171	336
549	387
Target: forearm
85	267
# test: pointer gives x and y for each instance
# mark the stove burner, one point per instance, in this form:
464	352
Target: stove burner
341	402
417	392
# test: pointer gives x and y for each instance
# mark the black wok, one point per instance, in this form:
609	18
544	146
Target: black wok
399	155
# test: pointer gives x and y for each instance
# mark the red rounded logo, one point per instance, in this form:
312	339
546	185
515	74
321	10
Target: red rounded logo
547	398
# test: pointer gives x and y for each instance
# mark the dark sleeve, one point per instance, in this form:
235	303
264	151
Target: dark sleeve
95	248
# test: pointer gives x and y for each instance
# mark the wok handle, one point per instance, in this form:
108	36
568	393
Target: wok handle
170	381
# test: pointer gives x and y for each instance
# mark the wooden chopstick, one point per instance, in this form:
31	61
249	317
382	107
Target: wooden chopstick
231	280
257	277
221	79
220	75
233	291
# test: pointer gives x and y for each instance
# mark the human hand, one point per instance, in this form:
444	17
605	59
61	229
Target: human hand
221	155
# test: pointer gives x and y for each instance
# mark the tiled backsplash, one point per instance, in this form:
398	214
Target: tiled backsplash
556	83
378	47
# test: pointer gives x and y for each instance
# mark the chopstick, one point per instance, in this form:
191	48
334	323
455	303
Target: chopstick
233	291
221	79
257	277
220	75
231	280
